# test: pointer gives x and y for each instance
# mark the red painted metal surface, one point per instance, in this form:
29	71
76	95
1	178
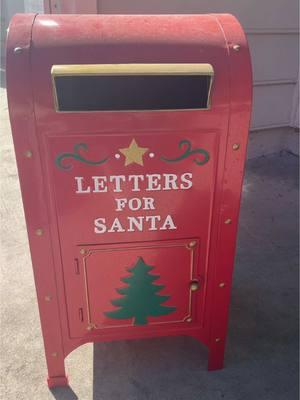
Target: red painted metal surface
95	236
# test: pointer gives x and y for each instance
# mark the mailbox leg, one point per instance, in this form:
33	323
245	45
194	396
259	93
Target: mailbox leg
56	373
55	381
216	357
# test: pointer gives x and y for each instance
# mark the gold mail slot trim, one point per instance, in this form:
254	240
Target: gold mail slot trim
144	87
132	69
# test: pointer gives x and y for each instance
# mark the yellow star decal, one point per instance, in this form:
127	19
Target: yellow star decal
133	153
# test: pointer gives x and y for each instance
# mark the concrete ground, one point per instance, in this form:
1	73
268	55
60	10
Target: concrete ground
262	353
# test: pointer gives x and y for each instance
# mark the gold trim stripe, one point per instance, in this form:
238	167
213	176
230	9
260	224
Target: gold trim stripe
132	69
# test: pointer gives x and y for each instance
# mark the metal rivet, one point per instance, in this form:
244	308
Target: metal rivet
218	339
194	285
236	47
54	354
48	298
222	284
90	327
28	153
192	244
235	146
227	221
82	251
189	320
39	232
18	50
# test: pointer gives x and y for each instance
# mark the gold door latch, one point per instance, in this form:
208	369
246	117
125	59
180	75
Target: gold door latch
194	285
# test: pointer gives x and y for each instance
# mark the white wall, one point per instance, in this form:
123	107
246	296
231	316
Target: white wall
273	33
8	9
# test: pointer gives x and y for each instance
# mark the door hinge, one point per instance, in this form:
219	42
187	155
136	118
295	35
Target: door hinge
76	263
80	312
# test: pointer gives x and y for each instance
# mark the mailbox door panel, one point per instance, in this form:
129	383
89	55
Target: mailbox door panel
138	286
114	188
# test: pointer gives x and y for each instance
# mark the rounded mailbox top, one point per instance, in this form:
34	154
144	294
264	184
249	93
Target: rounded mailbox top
212	45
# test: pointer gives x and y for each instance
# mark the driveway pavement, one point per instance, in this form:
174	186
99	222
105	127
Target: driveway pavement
261	357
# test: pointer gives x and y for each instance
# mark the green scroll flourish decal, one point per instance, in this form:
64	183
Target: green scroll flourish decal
186	146
76	156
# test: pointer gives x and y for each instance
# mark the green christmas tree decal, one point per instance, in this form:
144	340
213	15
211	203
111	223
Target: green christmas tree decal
140	298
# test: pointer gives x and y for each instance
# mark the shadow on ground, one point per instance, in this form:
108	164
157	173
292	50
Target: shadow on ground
63	393
262	351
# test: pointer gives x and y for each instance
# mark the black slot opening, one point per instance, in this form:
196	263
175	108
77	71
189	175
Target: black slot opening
132	92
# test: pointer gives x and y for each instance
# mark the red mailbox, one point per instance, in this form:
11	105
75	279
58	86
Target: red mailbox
130	135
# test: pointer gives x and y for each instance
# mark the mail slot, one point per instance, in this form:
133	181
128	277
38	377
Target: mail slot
130	135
